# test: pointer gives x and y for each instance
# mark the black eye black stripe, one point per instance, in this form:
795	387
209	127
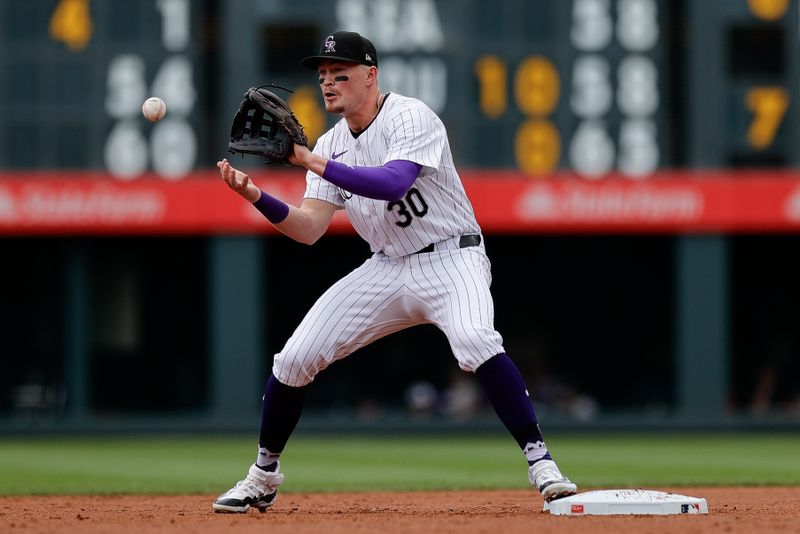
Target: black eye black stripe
341	78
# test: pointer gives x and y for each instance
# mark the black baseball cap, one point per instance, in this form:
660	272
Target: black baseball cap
344	46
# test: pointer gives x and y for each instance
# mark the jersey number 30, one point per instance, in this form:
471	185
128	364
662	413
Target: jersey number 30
414	202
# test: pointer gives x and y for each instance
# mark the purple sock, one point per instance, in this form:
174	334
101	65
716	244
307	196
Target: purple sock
280	412
506	390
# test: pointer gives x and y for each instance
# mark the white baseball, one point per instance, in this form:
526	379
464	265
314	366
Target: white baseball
154	109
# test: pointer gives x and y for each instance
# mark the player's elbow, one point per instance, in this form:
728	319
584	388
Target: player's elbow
310	222
304	236
308	239
310	236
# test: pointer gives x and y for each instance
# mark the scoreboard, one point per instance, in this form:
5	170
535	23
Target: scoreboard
537	86
592	88
75	74
742	77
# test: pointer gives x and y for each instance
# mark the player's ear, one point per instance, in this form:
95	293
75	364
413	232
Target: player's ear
372	74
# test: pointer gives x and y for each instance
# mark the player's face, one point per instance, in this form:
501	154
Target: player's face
343	85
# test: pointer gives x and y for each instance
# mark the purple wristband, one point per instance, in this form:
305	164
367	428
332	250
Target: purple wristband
270	207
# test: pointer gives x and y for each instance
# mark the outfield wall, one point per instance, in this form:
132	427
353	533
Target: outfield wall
666	302
633	164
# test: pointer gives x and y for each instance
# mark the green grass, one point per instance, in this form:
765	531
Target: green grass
331	463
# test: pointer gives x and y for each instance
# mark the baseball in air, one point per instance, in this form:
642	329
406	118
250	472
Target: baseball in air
154	109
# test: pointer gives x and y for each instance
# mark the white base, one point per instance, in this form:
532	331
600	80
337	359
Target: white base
627	501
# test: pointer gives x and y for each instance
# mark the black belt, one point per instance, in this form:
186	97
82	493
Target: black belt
469	240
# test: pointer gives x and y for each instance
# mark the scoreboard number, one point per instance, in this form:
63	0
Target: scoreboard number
71	23
611	94
592	28
637	24
175	24
172	149
537	144
536	86
770	10
492	73
592	150
537	147
592	93
769	105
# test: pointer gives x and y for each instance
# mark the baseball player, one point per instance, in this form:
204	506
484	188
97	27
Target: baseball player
387	162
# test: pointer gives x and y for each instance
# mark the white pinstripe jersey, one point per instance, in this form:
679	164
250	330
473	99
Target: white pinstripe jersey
435	208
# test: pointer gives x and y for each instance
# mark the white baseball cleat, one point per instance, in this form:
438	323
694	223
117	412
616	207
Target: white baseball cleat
545	476
259	489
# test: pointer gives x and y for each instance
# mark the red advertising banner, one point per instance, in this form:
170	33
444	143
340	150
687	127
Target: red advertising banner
71	203
674	202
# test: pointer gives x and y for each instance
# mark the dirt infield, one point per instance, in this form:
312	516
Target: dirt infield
731	510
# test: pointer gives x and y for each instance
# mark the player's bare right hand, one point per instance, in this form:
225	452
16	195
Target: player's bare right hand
238	181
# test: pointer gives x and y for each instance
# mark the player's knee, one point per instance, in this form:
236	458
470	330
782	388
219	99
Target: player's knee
293	371
470	362
467	365
470	359
473	349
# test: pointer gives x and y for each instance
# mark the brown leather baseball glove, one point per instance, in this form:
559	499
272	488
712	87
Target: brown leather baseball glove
265	126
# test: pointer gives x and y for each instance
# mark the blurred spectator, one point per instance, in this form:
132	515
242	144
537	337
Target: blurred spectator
463	397
550	391
564	399
421	399
777	385
38	403
369	409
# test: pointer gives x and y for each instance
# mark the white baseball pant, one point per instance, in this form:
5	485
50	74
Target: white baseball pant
448	288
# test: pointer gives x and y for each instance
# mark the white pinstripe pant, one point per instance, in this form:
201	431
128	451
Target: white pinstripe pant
447	288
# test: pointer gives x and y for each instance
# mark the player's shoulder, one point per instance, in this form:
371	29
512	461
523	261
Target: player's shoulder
397	102
400	107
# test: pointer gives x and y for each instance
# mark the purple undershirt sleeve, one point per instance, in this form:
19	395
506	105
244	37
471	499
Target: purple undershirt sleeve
270	207
390	182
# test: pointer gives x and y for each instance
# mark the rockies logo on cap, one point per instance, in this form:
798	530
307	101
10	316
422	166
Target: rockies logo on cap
344	46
